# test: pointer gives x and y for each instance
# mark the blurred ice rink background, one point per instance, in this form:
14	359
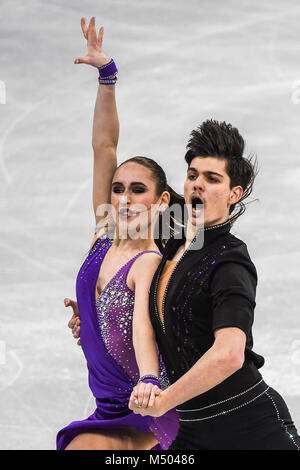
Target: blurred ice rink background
180	62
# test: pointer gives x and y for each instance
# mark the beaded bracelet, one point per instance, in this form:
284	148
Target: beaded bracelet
149	379
152	381
107	81
107	73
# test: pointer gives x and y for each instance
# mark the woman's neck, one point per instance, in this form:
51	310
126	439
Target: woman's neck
136	244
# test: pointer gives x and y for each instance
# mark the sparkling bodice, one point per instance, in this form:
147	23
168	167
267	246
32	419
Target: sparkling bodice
114	311
114	308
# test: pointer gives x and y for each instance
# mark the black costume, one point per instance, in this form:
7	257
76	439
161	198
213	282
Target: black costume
210	288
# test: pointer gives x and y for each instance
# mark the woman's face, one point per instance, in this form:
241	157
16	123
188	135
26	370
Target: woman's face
208	185
133	194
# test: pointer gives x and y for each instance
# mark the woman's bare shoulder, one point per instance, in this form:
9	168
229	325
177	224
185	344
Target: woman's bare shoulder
146	264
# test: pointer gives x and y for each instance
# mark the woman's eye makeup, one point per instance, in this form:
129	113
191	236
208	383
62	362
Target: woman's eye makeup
135	189
138	190
118	189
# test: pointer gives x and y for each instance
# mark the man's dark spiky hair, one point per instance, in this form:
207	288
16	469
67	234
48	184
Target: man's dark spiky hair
222	140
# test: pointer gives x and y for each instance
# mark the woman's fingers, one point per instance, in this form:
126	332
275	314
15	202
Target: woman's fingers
100	37
90	33
81	60
154	393
152	398
132	401
141	389
94	34
92	37
147	393
84	28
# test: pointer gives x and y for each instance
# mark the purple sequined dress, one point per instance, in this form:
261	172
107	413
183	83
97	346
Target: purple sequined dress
106	340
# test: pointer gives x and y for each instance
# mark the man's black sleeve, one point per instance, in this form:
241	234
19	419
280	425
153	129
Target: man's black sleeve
232	292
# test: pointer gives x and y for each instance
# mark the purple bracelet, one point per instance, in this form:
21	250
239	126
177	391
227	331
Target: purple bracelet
149	379
107	70
107	81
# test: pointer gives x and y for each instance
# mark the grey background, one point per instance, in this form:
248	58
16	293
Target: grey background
180	62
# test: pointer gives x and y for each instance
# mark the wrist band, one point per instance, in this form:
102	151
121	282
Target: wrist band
152	381
149	379
107	70
107	81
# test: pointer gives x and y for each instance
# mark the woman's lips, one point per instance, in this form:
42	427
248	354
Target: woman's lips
125	213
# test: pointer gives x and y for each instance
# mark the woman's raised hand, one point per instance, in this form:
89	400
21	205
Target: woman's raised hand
95	55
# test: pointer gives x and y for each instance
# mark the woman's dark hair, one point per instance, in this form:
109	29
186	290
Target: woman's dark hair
165	226
222	140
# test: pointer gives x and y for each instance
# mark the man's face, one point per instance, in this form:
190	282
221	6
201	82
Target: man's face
208	186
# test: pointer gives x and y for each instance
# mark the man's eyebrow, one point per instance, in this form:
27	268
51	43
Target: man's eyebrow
205	172
213	173
190	168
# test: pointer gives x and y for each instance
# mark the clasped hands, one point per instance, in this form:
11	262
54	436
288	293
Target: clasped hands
147	400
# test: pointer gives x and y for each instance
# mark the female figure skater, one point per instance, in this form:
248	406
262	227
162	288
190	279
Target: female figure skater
202	301
113	283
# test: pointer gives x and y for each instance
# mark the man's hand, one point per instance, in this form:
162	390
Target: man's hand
144	394
158	407
74	323
95	55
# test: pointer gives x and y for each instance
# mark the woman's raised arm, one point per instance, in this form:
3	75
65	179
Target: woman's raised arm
106	123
